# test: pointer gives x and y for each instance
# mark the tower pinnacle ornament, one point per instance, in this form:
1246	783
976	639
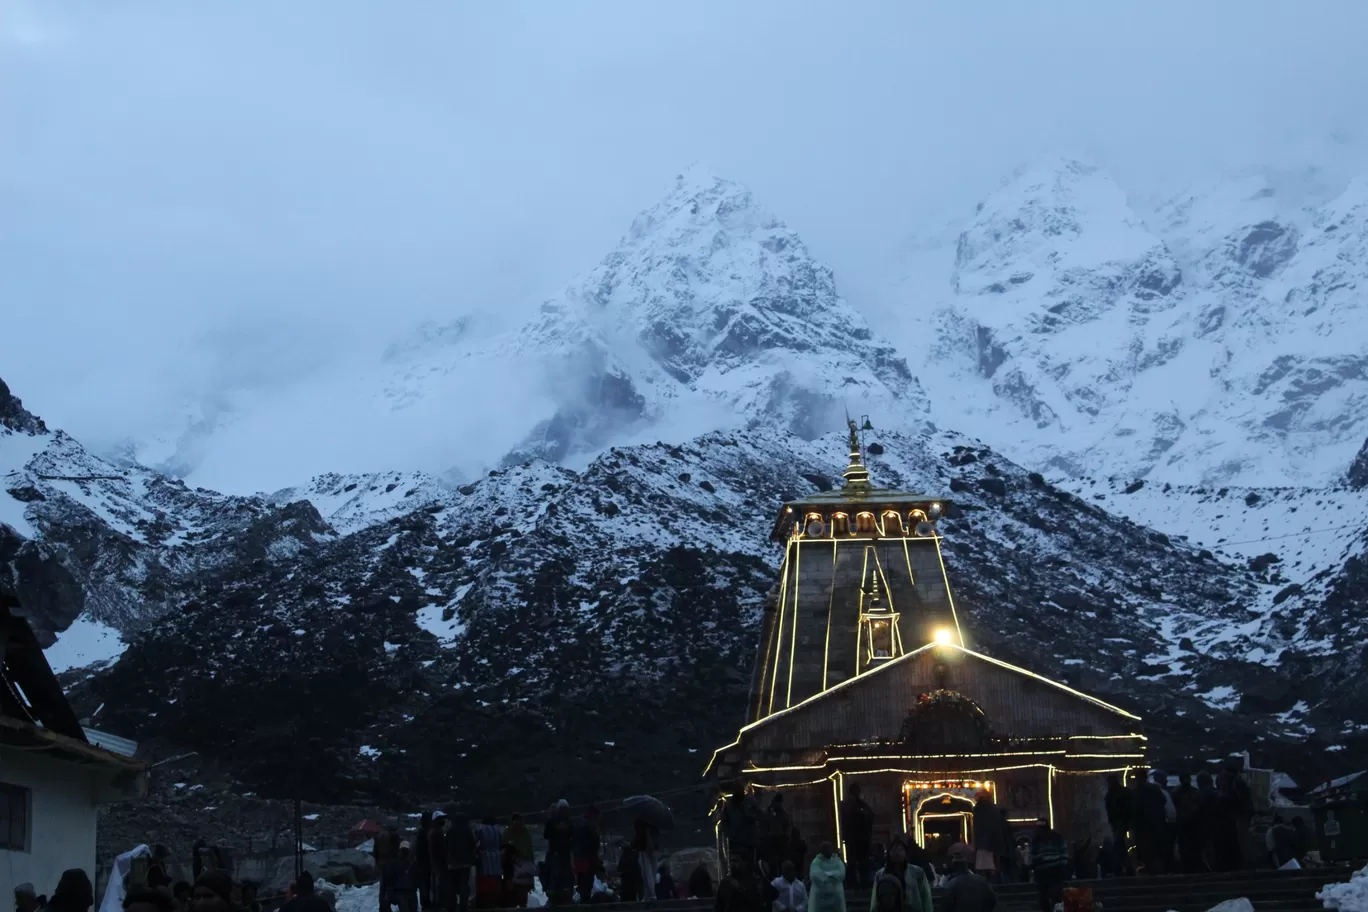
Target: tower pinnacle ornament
855	474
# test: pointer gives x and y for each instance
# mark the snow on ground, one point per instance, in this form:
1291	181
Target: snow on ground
15	452
351	503
1347	897
85	642
1309	528
366	897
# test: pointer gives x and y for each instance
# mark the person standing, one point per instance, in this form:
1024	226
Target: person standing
1188	803
437	854
739	892
385	850
741	825
586	853
646	841
790	894
404	879
1226	841
489	869
777	824
857	826
1120	805
1151	818
520	867
560	846
827	875
990	839
899	884
460	862
74	892
423	861
965	889
1050	865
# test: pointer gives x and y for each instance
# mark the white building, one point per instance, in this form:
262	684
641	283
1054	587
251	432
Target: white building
52	779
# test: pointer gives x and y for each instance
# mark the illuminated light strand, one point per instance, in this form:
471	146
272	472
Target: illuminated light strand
925	772
886	665
831	603
885	743
1064	687
949	593
1049	793
779	637
859	623
837	790
793	644
753	768
789	785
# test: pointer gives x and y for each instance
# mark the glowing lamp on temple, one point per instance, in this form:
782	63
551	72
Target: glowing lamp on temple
943	636
879	623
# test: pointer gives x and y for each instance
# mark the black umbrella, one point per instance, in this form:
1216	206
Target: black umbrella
650	809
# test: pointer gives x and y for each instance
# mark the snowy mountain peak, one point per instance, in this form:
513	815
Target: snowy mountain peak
1052	220
710	305
700	201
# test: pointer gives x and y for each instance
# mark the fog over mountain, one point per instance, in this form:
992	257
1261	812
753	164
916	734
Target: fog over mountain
223	225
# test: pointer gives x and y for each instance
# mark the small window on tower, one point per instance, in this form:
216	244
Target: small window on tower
892	523
864	524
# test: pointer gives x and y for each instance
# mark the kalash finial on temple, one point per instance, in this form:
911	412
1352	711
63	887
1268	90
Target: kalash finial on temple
855	474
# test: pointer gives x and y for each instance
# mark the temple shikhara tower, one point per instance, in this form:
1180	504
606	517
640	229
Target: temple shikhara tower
864	674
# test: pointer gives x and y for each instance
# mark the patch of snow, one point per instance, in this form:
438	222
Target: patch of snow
1222	697
367	751
85	642
1347	897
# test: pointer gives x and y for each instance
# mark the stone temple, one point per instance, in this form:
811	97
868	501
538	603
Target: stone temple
865	674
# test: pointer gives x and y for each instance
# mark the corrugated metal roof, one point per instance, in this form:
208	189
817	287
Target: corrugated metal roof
112	743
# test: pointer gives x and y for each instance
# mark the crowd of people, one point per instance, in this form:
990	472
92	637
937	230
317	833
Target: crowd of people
451	859
767	858
1198	825
212	891
1158	825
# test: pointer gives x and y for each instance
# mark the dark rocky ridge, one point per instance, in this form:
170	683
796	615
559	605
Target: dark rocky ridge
1358	470
14	416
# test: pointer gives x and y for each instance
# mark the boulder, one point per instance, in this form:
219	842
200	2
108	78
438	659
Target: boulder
337	866
683	862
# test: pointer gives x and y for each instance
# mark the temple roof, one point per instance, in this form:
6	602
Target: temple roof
856	491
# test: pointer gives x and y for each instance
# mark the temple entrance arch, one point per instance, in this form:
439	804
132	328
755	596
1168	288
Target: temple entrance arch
942	811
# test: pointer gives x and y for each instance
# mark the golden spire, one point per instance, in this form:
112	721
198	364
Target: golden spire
855	474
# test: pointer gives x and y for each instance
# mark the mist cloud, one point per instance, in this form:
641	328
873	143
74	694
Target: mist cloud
200	202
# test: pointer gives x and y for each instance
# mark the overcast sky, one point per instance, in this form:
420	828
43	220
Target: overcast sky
210	195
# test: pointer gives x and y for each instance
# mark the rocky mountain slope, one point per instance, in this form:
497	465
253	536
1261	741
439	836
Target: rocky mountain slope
1216	340
590	633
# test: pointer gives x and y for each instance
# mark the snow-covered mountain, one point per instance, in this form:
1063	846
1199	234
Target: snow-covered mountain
563	616
1218	339
709	314
565	626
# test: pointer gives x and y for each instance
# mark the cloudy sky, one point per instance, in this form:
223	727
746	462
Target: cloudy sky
197	198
